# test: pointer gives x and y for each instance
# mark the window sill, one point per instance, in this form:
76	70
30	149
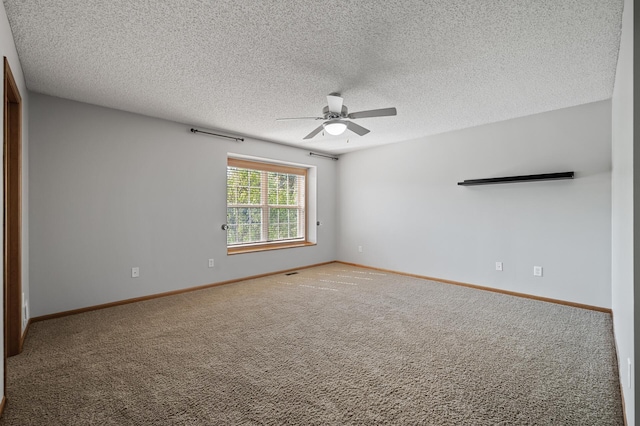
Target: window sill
267	247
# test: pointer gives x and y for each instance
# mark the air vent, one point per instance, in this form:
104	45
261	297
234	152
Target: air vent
291	273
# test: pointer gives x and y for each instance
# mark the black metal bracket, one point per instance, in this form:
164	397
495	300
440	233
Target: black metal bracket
513	179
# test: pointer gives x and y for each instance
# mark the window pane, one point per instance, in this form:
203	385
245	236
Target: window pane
244	186
291	190
243	215
273	232
232	234
255	232
255	216
245	225
283	223
243	195
282	231
255	178
272	186
231	195
232	185
283	189
243	235
242	176
232	216
254	195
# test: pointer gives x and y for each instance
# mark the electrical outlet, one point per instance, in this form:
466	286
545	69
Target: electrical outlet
537	271
135	272
498	266
211	263
359	249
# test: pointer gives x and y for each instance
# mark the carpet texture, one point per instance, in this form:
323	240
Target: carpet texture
331	345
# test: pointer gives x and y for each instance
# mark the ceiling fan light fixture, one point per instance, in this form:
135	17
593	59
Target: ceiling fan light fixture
335	127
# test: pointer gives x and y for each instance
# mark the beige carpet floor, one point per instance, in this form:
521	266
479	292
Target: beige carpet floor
331	345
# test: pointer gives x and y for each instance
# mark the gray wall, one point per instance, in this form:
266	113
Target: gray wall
111	190
8	49
402	205
623	254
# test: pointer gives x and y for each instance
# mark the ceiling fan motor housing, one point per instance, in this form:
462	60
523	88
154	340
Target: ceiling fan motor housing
328	115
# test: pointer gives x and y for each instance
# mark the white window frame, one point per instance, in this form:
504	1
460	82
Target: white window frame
303	218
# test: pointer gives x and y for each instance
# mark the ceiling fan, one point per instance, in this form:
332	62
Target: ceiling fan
335	114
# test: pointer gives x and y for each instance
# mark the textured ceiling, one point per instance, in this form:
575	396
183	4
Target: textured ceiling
236	66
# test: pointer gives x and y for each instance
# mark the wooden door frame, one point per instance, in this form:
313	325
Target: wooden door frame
12	229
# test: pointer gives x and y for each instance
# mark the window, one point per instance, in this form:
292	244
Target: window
265	206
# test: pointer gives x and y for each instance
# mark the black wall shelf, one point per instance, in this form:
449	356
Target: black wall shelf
513	179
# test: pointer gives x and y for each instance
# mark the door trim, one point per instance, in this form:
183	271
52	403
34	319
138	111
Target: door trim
12	230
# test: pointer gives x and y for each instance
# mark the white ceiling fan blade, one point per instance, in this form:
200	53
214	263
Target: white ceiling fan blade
300	118
334	101
314	132
383	112
357	129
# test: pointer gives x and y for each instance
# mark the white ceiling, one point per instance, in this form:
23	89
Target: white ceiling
236	66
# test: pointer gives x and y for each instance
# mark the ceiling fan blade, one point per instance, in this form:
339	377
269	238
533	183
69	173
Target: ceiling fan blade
335	103
357	129
384	112
313	133
300	118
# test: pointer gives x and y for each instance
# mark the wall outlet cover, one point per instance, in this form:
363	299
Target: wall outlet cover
537	271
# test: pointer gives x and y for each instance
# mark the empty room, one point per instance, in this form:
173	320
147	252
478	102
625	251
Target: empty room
318	213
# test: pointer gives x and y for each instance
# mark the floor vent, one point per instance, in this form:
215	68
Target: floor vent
291	273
